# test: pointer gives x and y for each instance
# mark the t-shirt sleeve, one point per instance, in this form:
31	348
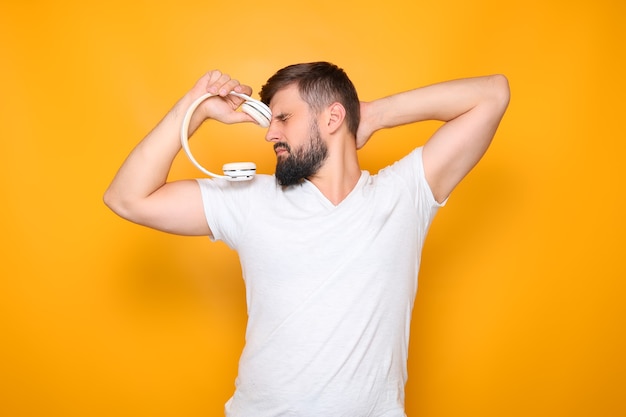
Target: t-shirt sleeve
226	208
411	170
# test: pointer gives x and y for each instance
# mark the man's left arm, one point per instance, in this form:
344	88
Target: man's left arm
471	110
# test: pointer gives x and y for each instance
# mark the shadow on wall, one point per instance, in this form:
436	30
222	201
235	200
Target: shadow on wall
180	274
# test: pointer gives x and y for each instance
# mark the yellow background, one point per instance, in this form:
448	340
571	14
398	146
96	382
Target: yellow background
521	308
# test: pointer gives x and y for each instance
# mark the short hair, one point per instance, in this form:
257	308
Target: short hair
320	84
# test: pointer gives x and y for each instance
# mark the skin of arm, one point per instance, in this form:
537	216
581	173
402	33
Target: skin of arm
140	192
471	109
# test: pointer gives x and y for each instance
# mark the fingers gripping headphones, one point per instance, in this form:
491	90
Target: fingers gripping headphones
234	171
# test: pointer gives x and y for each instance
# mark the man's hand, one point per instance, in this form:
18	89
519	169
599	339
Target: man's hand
223	105
367	125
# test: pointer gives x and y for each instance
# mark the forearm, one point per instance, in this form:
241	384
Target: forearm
443	101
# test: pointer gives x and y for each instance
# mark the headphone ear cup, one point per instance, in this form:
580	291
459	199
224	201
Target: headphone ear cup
256	113
239	171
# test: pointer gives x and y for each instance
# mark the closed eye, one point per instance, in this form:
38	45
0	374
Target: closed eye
282	117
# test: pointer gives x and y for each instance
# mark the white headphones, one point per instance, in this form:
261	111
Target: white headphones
234	171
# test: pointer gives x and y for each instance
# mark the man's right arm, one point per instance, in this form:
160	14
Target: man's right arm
140	192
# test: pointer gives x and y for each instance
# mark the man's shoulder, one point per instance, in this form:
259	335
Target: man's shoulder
410	164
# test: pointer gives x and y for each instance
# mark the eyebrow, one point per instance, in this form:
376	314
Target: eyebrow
282	116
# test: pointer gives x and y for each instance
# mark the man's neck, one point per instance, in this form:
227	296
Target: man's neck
338	176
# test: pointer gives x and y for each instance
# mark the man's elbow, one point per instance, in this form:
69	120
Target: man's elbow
500	91
116	203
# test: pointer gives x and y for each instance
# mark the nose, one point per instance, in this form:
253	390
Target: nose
272	134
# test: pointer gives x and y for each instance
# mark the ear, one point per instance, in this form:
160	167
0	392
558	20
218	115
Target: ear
335	115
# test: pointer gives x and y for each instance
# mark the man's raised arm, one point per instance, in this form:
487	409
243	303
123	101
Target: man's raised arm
140	192
471	109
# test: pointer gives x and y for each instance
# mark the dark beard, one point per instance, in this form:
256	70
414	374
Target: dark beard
303	162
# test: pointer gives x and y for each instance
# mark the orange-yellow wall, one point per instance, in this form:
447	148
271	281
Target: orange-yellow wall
521	308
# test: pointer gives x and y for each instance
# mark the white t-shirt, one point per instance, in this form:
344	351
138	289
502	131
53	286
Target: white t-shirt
329	289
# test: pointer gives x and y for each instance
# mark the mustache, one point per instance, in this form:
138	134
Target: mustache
282	145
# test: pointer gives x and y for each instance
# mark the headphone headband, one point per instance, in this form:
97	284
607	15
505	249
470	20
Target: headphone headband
235	171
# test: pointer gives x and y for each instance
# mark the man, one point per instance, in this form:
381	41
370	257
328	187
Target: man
330	254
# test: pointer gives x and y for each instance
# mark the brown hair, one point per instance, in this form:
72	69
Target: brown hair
320	84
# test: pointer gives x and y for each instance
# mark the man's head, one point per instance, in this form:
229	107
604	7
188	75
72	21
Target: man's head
320	84
306	90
